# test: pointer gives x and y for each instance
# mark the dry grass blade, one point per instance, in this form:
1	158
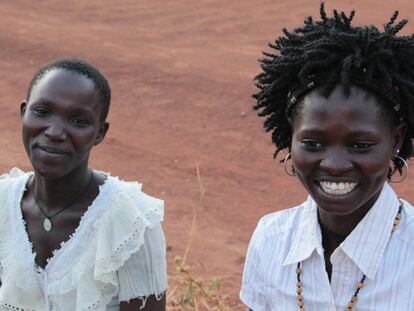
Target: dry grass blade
190	292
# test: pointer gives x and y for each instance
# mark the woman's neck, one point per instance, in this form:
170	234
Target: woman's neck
343	225
54	194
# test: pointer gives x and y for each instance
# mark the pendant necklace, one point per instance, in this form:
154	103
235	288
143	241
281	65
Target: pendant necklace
47	223
360	285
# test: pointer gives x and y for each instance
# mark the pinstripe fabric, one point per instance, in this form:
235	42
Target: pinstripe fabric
284	238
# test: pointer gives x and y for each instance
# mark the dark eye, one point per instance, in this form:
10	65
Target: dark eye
40	112
80	122
361	146
311	143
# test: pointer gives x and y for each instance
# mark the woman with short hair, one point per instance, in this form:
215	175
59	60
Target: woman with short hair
74	238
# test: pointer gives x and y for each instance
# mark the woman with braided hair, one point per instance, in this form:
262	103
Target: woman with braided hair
340	99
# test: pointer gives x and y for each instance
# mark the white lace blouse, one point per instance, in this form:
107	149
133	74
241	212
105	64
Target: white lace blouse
117	253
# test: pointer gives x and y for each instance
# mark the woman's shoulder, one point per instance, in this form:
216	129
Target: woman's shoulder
276	223
127	196
12	176
406	232
12	183
125	208
127	214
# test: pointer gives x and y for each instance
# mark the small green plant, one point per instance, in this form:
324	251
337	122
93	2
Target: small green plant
189	292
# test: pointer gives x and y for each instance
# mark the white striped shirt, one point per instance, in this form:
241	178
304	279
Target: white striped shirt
284	238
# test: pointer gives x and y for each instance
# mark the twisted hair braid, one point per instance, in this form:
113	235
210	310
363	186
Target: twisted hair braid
322	54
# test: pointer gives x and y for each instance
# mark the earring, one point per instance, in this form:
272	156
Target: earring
403	174
292	170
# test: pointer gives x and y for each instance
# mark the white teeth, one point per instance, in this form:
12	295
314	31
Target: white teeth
337	188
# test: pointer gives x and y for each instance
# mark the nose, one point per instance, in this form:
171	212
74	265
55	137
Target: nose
56	130
336	162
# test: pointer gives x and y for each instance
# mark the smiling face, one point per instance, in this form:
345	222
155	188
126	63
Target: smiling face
342	147
61	122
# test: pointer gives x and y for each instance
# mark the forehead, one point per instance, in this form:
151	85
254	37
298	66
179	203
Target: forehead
63	84
359	111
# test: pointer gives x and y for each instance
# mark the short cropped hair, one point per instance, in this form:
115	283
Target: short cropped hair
83	68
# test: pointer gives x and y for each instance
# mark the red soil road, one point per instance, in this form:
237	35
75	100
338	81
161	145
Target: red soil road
181	74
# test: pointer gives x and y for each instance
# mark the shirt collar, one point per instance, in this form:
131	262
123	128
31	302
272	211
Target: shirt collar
307	237
364	246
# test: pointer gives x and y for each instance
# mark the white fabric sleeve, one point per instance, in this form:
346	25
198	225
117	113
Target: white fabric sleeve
252	292
145	272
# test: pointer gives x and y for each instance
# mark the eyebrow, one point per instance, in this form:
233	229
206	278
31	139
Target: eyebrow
319	131
47	102
42	100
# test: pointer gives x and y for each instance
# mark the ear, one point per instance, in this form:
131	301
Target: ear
23	106
103	129
399	133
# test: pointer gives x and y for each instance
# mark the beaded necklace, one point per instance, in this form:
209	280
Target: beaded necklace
360	285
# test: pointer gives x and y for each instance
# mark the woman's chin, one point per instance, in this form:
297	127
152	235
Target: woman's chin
49	172
337	204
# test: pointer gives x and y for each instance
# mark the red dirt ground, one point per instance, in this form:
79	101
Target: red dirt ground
181	74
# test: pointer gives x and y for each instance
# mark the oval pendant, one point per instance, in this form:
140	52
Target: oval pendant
47	224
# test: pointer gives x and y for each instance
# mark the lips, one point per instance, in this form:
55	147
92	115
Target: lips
337	188
51	150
